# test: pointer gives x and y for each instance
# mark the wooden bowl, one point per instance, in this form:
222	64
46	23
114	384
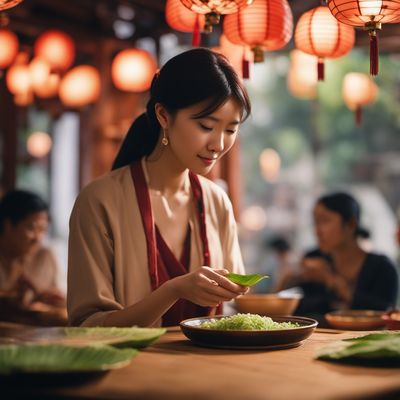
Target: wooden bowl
392	320
267	304
356	320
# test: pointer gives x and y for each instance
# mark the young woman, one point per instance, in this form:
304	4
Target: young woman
151	241
340	274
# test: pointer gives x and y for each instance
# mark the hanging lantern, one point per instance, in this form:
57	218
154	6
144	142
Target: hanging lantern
56	48
267	24
6	4
9	47
18	79
213	9
80	86
49	88
270	164
38	144
302	76
132	70
358	90
182	19
319	34
370	14
39	71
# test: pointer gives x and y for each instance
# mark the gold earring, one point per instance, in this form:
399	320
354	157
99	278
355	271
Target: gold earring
164	140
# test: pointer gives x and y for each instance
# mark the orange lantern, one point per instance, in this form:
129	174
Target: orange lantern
56	48
302	77
319	34
5	4
132	70
358	90
18	77
39	71
182	19
80	86
270	164
49	87
370	14
9	47
39	144
214	8
267	24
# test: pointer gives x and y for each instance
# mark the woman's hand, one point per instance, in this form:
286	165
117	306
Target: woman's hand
316	270
206	287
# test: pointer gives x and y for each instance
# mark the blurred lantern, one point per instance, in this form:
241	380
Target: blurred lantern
358	90
56	48
18	77
132	70
9	47
319	34
39	71
182	19
49	87
267	24
214	8
5	4
370	14
270	164
38	144
302	76
254	218
80	86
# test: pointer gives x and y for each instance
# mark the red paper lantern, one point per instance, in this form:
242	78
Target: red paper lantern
5	4
267	24
214	8
18	77
56	48
80	86
132	70
370	14
319	33
182	19
9	47
358	90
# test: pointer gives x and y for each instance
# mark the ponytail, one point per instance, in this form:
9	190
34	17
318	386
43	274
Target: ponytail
140	140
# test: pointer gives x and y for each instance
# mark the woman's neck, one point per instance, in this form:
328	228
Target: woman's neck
165	174
348	257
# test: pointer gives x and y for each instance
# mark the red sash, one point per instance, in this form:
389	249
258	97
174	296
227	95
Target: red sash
163	264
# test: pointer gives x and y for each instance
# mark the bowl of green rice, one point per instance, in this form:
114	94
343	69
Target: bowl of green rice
247	331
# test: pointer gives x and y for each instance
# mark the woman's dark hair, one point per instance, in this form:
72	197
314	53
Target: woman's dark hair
189	78
345	205
16	205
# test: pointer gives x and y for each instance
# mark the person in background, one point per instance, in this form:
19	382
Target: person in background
28	270
340	274
151	241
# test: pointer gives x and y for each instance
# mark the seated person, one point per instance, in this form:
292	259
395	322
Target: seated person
340	275
28	270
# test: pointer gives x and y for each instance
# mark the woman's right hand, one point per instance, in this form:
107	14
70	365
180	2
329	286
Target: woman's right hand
206	287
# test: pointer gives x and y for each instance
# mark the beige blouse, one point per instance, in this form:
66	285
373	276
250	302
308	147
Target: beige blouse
107	260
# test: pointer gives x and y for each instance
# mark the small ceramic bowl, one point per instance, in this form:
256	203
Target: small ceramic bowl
392	320
356	320
267	304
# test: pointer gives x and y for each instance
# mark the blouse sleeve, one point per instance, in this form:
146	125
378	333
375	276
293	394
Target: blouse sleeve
90	294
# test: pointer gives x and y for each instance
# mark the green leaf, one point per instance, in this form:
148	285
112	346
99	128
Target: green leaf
119	337
374	346
57	358
245	280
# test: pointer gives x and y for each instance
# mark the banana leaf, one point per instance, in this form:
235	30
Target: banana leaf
118	337
245	280
375	346
62	359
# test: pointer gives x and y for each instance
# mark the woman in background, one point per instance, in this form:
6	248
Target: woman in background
151	241
340	274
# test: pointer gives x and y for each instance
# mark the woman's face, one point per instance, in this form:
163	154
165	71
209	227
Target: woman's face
197	143
330	229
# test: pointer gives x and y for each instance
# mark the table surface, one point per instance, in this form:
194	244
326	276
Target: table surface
173	368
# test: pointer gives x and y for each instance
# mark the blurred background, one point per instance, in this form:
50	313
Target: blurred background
64	113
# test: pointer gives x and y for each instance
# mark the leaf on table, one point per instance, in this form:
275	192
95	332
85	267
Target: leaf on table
245	280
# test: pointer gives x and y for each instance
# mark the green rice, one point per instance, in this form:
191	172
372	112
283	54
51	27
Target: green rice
250	322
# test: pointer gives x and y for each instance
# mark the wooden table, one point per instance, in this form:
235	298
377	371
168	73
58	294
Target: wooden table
173	368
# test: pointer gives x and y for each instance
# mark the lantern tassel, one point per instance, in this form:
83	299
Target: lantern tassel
321	69
196	33
245	66
358	115
373	53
